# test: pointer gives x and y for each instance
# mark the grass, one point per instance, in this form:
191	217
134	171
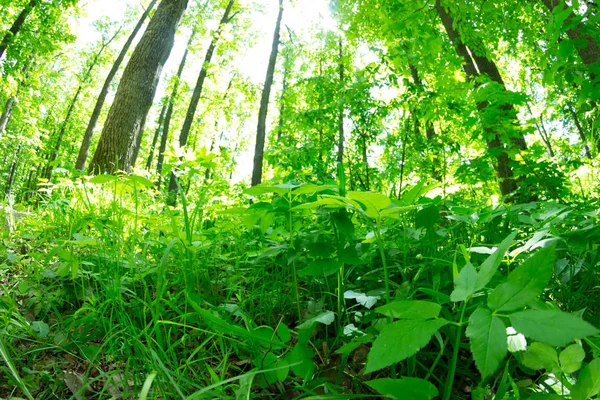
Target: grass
105	292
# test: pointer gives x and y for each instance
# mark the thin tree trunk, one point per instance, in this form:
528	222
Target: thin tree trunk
16	26
159	126
89	132
6	114
171	105
581	133
503	169
261	129
48	172
127	116
12	172
189	117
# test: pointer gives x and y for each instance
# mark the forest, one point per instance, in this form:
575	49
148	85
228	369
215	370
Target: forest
299	199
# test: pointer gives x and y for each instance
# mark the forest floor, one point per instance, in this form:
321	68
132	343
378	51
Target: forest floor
106	293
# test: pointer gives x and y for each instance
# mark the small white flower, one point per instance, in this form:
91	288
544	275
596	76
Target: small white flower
516	341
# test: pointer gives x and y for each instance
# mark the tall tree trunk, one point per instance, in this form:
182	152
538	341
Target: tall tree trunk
261	129
581	132
48	171
6	114
159	126
10	103
12	172
16	26
127	116
189	117
169	114
89	132
472	65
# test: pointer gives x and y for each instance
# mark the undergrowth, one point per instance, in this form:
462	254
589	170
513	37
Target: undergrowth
304	292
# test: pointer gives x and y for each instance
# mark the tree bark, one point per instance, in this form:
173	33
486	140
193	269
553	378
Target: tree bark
89	132
473	65
189	117
6	114
16	26
12	172
261	129
127	116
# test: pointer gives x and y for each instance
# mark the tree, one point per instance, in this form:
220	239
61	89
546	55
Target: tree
84	81
16	26
475	65
189	116
169	111
87	137
127	116
264	104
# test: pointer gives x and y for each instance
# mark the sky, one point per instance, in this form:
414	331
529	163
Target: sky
301	16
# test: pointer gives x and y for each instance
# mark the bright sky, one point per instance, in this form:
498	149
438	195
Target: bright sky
301	16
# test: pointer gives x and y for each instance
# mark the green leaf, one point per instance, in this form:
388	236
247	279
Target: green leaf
410	309
140	181
100	179
264	189
404	388
40	328
588	384
400	340
325	318
302	356
411	197
487	334
465	283
571	358
284	332
549	326
491	264
371	203
321	268
525	283
312	189
540	356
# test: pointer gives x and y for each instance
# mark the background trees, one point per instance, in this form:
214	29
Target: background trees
403	91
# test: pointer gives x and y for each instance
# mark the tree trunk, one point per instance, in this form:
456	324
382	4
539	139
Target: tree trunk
89	132
12	172
161	118
169	114
504	172
6	114
16	26
189	117
261	129
127	116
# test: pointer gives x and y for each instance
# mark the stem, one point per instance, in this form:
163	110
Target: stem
294	272
452	371
386	276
